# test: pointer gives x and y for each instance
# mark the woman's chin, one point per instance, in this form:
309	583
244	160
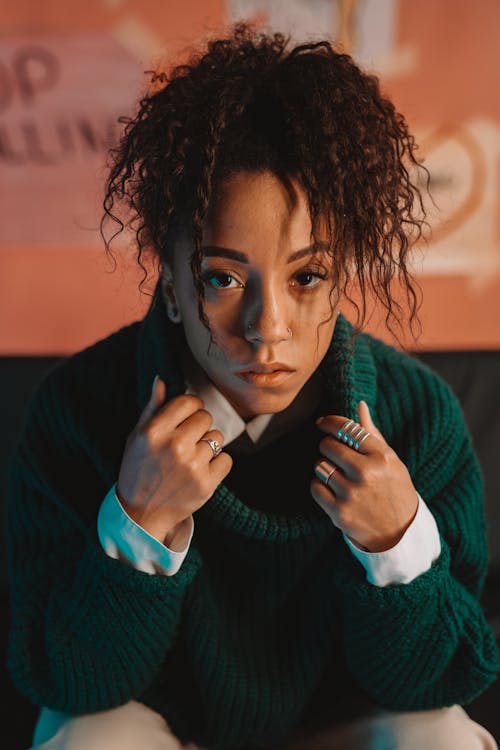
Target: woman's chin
268	403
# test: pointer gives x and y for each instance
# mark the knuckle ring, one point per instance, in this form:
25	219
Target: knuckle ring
216	448
324	471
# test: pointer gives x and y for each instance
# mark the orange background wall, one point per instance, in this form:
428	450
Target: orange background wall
67	71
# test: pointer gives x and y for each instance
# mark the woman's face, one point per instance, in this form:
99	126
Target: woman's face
266	295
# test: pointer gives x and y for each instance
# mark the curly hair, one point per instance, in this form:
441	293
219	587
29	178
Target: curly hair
248	103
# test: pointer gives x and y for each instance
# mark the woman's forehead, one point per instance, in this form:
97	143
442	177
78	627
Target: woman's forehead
251	213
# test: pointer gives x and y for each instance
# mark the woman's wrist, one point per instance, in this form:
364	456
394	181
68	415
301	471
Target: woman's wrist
177	538
171	534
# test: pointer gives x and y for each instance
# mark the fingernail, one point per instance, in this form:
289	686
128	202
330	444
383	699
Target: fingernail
154	384
319	419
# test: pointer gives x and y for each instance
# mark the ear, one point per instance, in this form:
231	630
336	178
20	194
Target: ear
168	293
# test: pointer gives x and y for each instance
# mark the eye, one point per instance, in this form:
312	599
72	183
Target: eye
220	280
309	278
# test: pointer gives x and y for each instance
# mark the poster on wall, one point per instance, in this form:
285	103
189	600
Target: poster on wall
67	77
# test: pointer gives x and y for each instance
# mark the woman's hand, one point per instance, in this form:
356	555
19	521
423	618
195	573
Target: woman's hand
370	495
168	471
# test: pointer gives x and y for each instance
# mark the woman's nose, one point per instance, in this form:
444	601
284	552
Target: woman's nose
266	321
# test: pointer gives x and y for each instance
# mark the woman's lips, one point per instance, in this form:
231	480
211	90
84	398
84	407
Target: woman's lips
265	378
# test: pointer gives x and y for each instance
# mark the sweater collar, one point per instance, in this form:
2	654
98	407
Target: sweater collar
345	382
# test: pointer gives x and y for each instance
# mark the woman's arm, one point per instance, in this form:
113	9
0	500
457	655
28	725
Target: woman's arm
87	631
427	644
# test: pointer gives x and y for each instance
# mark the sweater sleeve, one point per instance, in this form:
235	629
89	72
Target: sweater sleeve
426	644
88	632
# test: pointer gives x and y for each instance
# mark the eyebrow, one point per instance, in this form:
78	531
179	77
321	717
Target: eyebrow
214	251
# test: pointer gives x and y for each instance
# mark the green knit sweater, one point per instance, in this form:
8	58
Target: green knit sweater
270	614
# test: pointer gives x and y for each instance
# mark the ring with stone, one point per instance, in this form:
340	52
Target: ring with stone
351	433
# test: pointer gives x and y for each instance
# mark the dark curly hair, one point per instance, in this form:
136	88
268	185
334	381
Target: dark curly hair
247	103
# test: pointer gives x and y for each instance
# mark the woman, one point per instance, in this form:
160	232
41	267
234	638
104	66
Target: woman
242	522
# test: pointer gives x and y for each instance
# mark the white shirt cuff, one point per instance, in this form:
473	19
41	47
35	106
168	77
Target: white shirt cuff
122	538
413	555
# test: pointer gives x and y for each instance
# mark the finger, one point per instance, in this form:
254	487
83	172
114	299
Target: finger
156	399
220	466
173	413
365	419
192	429
325	499
341	455
348	432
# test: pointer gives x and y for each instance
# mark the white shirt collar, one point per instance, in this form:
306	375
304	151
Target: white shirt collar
263	428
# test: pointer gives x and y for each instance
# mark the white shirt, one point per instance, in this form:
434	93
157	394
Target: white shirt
122	538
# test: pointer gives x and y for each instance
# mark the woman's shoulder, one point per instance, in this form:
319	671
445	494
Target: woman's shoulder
91	388
410	389
391	362
98	363
377	360
77	421
419	414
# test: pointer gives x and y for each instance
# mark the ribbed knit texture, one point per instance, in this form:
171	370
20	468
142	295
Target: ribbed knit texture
270	619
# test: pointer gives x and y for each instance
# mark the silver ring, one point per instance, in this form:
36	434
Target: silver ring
351	433
323	474
358	442
213	444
